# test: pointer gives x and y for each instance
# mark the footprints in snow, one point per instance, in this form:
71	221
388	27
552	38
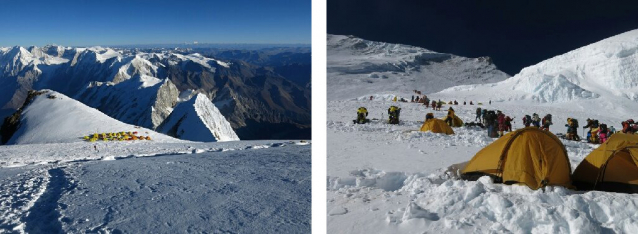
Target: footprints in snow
43	216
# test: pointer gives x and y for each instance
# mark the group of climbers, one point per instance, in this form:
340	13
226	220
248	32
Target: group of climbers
598	132
393	115
536	121
496	122
421	99
115	136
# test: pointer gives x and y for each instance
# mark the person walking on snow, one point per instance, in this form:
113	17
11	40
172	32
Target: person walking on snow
508	124
484	115
478	114
501	123
547	120
536	121
450	117
603	134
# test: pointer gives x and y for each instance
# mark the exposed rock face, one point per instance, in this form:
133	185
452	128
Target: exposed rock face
257	102
163	102
125	101
11	123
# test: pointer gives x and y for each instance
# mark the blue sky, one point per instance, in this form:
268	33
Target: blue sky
115	22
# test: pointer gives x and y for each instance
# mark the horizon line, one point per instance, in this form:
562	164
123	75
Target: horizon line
173	44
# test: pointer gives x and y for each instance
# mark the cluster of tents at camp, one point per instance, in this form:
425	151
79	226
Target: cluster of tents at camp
537	158
115	136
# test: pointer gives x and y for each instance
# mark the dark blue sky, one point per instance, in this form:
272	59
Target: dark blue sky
514	33
116	22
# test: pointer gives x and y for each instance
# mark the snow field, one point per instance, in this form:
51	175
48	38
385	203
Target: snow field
239	190
441	202
59	153
386	178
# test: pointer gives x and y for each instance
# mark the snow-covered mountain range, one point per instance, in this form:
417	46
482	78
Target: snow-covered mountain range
142	88
358	67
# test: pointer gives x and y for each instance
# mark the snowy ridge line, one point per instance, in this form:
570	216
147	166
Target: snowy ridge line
441	201
603	71
21	57
73	156
357	67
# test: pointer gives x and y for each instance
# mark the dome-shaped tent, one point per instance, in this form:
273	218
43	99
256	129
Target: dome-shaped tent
610	167
527	156
436	126
456	121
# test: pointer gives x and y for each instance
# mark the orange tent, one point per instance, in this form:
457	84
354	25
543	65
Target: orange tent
527	156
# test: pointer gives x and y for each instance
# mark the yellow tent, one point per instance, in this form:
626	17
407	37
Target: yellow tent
456	122
436	126
527	156
610	167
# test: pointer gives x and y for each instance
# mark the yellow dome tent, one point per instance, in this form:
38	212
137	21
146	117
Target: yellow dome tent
527	156
456	121
610	167
436	126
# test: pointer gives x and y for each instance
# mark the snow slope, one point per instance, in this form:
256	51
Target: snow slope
358	67
55	118
603	75
198	120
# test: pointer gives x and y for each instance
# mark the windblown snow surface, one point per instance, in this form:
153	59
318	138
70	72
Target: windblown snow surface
394	179
359	67
152	187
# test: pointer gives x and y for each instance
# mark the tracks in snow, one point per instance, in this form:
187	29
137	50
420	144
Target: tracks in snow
29	202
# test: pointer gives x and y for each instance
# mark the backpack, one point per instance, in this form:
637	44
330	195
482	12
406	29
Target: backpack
574	123
527	119
603	128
